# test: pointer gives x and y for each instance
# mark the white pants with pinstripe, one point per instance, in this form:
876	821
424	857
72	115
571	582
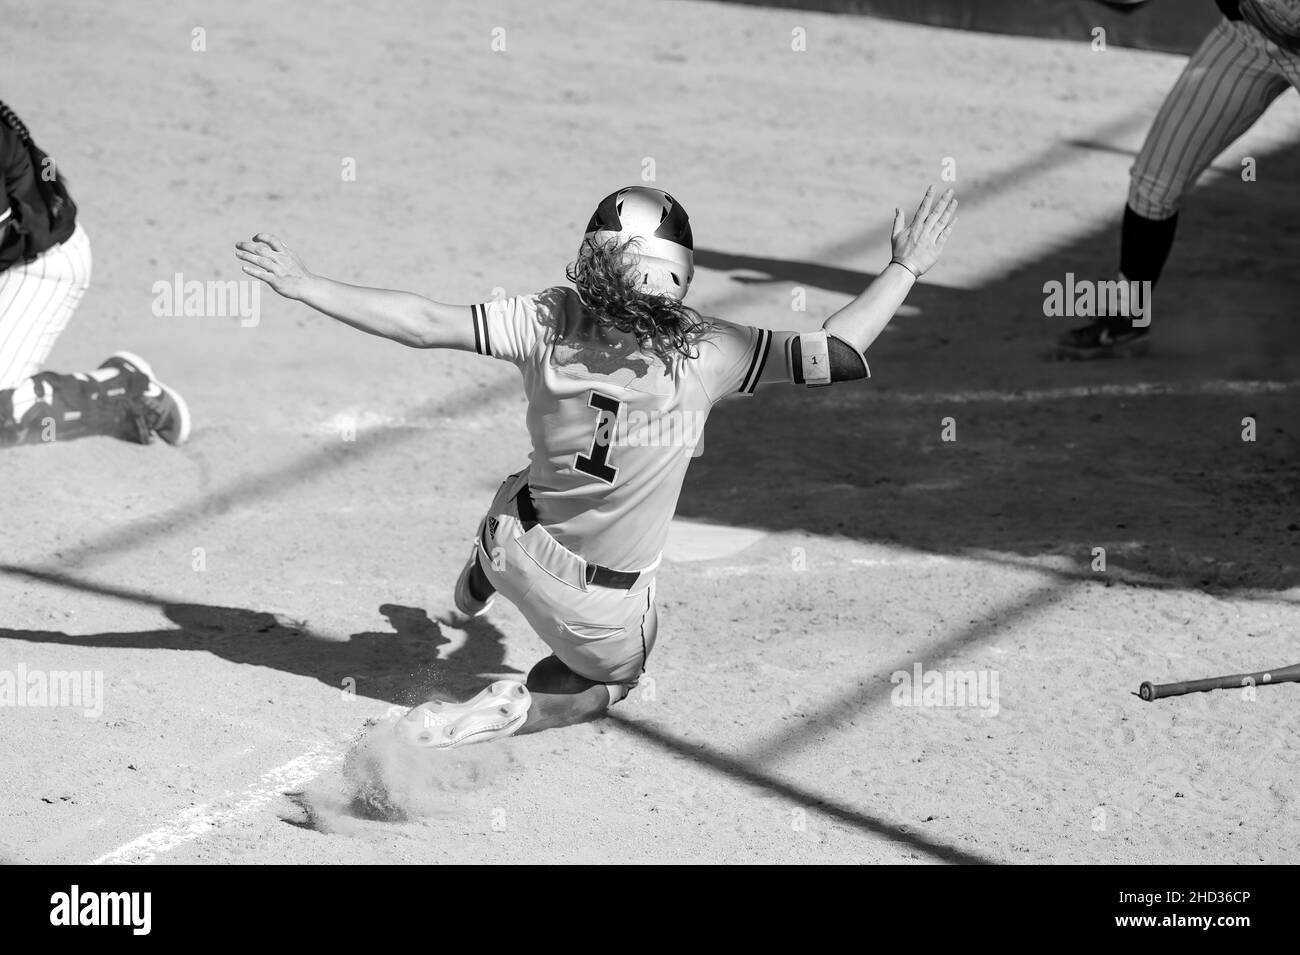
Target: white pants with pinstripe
36	302
1227	84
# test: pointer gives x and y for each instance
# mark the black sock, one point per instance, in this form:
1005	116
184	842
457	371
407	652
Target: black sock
1144	246
1143	250
479	586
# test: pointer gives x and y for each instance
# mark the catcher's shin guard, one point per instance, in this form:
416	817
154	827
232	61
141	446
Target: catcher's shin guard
50	407
495	713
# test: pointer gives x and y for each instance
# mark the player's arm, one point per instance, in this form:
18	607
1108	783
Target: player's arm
15	165
837	352
400	316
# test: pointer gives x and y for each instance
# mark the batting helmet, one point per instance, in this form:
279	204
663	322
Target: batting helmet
664	251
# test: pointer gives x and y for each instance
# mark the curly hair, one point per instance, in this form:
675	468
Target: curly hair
608	281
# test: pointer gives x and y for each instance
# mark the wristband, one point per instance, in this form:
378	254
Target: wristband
915	273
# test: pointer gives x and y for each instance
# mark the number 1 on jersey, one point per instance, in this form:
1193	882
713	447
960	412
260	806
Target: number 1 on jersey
596	461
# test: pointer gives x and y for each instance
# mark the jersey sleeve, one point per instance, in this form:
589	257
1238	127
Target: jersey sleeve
732	358
15	166
508	328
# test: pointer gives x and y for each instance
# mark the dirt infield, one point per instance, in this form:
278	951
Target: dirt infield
252	598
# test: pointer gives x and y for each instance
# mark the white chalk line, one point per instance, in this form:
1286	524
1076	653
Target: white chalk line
197	821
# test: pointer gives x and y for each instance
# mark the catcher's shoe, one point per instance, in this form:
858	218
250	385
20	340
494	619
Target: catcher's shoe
1103	338
162	409
495	713
465	601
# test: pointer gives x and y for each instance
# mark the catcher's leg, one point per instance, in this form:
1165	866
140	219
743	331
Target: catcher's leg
37	300
50	407
119	399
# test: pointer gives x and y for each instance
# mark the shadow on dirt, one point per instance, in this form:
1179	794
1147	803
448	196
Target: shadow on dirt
1147	457
404	667
382	782
1070	457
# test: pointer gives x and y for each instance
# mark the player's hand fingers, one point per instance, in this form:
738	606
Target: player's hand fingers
251	245
251	254
923	209
258	273
253	258
945	219
898	224
272	240
937	210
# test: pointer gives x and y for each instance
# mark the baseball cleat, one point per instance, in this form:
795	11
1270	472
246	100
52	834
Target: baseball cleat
465	601
1103	339
495	713
164	410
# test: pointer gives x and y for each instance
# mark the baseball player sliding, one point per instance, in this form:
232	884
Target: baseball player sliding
619	374
1245	63
44	272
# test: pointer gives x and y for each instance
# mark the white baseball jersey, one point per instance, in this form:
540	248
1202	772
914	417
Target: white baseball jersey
613	428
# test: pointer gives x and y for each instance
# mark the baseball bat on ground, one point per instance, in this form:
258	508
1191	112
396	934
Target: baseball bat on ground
1154	691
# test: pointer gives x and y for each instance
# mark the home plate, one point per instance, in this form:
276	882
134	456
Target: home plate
691	540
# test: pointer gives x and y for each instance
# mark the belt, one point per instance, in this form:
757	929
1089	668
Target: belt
596	574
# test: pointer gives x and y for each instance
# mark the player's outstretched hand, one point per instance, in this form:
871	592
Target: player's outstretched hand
919	244
269	259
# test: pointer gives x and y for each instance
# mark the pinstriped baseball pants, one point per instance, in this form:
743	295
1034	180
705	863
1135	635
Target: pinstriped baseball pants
1227	84
36	302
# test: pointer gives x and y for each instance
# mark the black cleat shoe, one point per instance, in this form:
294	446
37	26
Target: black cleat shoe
1103	338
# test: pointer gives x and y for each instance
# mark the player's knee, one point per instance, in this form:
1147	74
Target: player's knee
552	676
586	699
1155	197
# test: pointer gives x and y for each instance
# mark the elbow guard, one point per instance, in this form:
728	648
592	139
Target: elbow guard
821	358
